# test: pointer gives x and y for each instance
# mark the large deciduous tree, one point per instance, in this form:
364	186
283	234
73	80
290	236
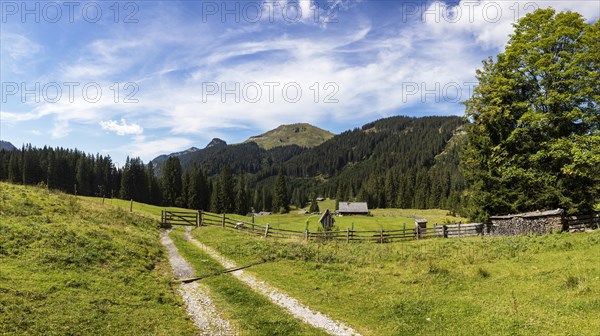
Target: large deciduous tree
534	140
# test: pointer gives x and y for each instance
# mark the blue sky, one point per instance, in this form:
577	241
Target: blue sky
141	78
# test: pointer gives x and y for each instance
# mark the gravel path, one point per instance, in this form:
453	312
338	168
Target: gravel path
316	319
196	296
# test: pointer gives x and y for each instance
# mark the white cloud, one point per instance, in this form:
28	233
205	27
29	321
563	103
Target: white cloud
121	129
147	150
18	52
372	67
489	22
18	46
60	129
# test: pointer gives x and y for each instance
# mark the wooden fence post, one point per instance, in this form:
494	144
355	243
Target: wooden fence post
381	235
267	230
306	235
198	218
445	231
223	221
459	235
347	235
404	230
131	206
417	231
162	217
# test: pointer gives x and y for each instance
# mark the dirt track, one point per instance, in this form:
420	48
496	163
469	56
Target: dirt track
315	319
196	296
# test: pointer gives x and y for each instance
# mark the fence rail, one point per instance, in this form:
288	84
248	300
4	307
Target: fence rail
200	218
583	222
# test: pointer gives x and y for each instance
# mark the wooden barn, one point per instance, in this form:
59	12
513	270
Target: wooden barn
353	208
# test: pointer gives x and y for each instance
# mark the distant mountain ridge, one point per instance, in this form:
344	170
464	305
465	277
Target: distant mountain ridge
285	140
164	157
7	146
302	135
402	162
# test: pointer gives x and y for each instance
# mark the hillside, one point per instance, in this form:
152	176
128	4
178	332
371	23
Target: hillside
302	135
74	267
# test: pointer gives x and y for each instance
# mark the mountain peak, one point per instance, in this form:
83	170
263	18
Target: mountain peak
301	134
7	146
216	142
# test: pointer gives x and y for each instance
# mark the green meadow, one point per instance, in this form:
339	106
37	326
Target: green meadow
387	219
486	286
79	265
72	267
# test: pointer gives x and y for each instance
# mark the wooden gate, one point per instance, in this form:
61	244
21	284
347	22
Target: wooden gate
181	217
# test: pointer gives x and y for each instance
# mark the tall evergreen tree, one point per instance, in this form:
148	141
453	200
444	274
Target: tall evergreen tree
241	194
154	192
215	204
226	194
186	191
14	169
314	205
280	194
171	181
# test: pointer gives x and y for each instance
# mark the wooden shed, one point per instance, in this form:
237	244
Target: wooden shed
421	222
353	208
327	220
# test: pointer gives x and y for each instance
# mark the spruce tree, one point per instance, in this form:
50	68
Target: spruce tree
171	181
280	194
215	204
226	194
14	169
241	196
314	205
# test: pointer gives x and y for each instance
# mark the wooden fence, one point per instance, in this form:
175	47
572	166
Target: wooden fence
199	218
583	222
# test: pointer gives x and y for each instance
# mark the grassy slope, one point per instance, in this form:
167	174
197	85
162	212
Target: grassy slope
73	267
253	313
507	285
303	135
140	208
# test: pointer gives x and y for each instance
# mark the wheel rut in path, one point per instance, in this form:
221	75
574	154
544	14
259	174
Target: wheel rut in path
196	296
297	309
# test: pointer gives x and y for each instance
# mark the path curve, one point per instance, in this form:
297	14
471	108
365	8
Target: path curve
196	296
314	318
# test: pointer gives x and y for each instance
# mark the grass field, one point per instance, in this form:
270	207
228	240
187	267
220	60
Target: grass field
493	285
71	267
507	285
387	219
